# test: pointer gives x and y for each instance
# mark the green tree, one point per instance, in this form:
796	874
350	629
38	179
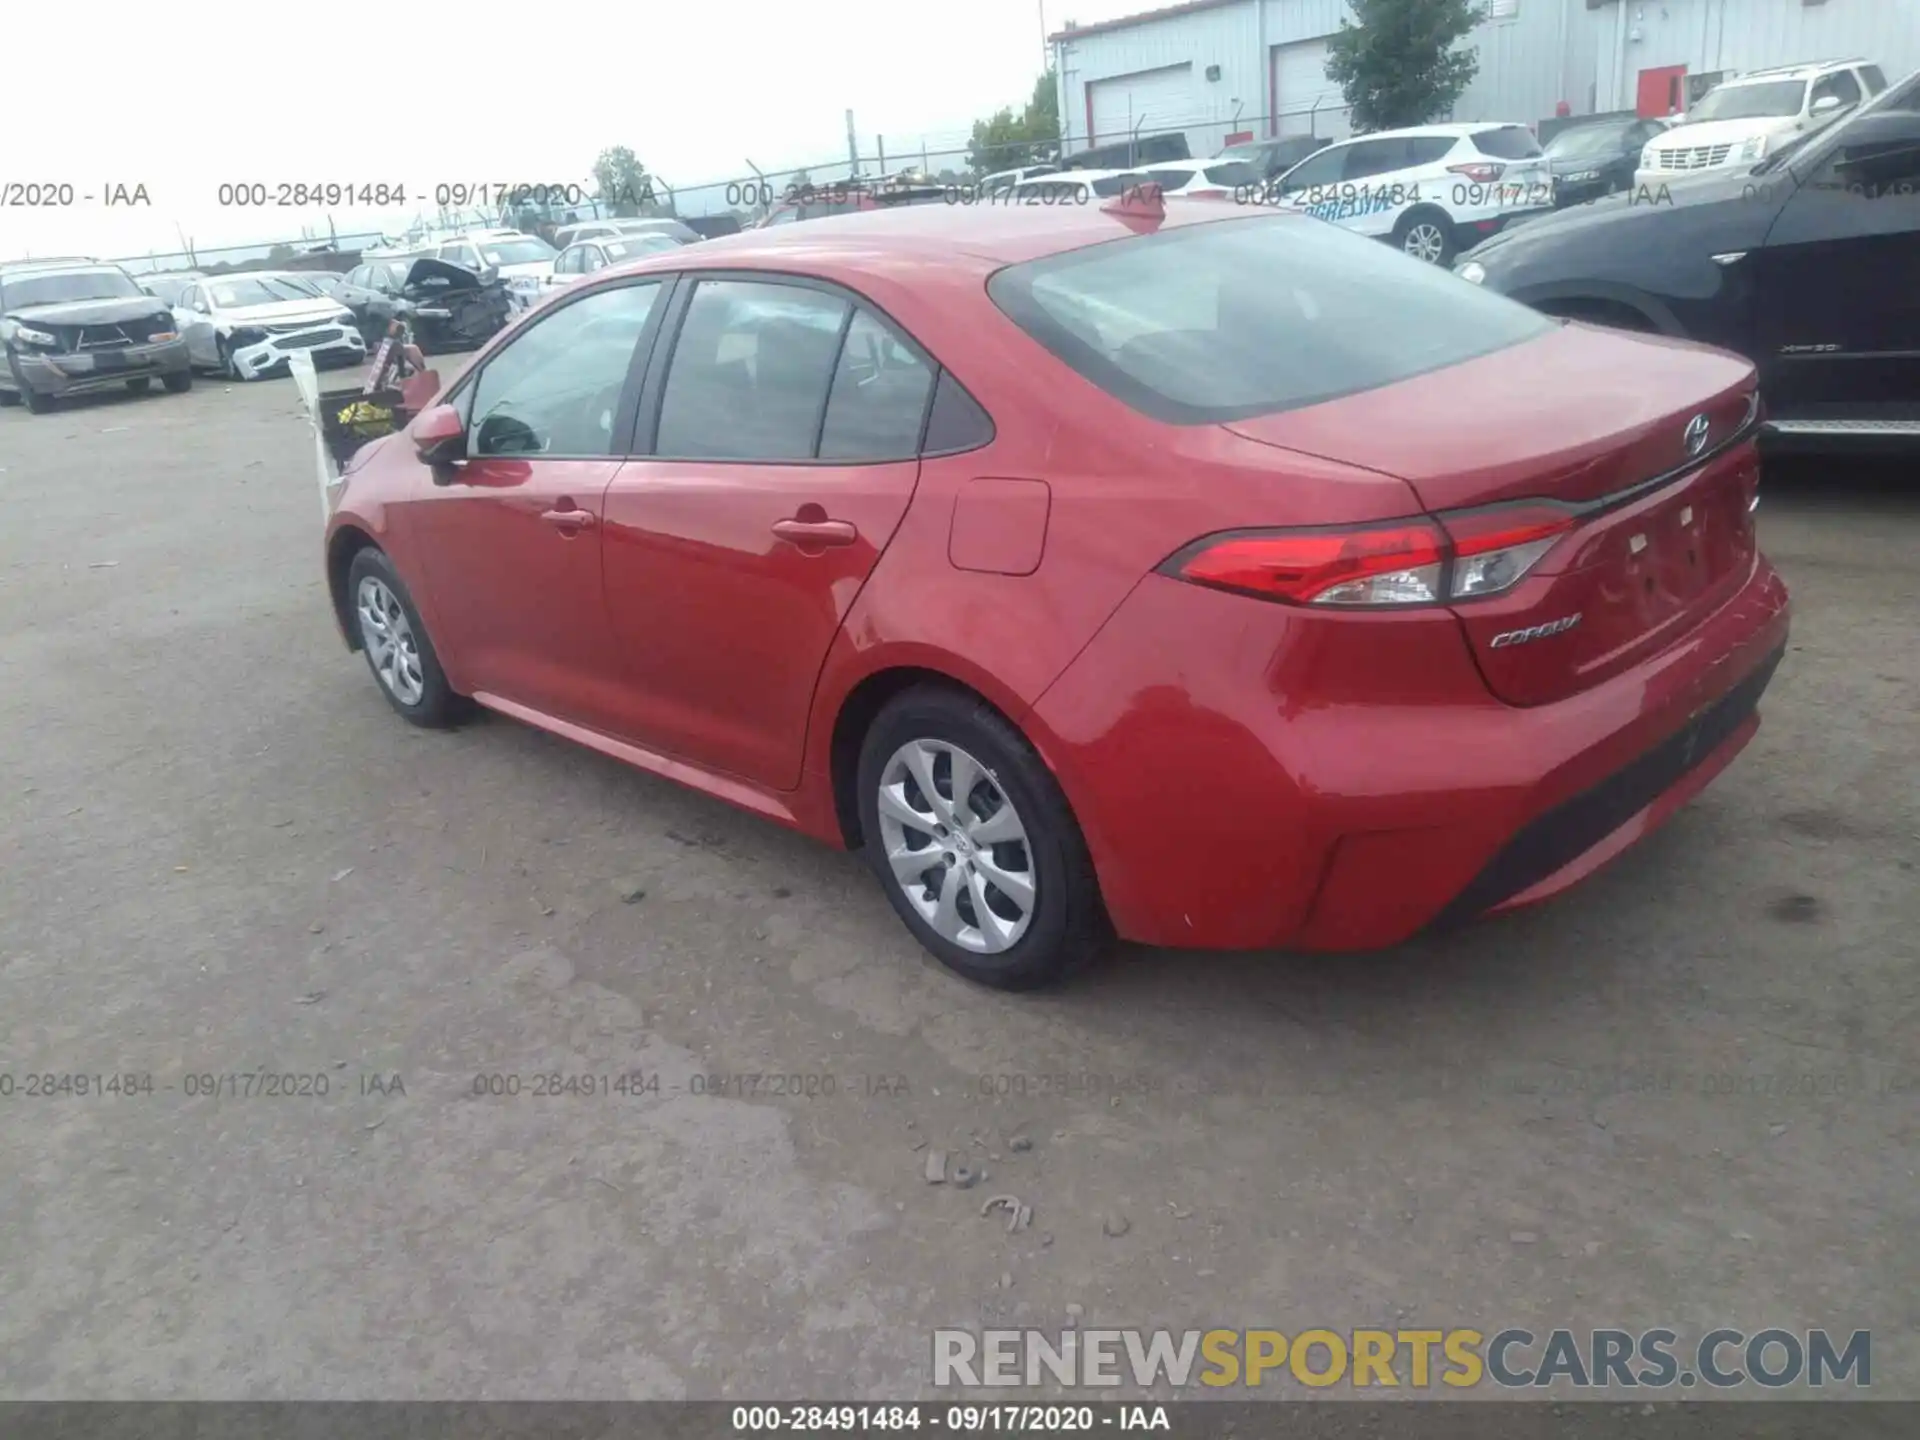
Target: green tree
1043	111
622	183
280	252
1004	140
1398	66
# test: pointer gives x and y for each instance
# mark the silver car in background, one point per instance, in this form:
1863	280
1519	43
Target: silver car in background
249	325
581	259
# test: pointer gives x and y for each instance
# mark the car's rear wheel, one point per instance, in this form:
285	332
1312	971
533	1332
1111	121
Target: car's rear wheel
178	381
974	842
398	649
140	384
1426	235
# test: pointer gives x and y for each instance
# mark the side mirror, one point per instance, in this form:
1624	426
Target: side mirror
1826	105
440	440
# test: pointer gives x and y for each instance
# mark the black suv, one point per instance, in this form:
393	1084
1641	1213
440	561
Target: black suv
1807	263
71	326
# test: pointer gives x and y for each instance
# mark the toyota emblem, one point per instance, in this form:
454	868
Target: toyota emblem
1696	435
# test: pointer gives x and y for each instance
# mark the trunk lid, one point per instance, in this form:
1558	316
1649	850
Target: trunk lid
1597	422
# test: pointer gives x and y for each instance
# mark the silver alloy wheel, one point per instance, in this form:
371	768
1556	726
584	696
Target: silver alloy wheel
1425	242
956	845
388	636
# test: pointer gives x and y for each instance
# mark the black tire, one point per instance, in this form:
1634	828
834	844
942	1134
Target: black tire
437	706
140	384
228	370
1068	925
178	381
1419	223
9	397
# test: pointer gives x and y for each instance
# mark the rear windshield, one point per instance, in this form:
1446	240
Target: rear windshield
1509	142
1216	322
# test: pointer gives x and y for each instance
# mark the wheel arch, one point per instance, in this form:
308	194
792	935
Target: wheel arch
863	699
347	541
1593	302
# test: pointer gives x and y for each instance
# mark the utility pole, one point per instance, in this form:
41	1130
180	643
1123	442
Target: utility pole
853	151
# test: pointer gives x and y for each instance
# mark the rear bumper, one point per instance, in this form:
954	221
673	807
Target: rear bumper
57	375
1249	778
1571	840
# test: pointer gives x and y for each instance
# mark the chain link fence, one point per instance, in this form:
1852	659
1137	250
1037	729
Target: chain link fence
746	198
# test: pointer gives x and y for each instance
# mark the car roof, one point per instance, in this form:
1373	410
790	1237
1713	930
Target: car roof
1452	130
1805	70
1076	177
906	238
56	262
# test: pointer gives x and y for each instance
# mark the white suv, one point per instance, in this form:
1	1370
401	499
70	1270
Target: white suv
1431	190
1743	120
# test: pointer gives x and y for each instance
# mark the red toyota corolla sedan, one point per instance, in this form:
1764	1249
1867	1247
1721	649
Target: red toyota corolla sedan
1212	578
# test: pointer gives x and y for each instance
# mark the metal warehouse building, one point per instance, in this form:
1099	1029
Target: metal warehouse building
1223	70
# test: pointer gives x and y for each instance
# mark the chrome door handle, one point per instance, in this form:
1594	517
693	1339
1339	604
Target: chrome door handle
807	533
568	519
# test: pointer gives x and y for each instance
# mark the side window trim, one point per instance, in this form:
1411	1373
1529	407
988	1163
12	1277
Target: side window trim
644	444
826	396
461	396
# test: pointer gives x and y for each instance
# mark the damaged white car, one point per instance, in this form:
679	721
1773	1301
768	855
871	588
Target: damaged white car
247	326
523	261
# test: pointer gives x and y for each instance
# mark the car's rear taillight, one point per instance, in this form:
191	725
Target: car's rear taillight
1493	548
1460	555
1396	564
1480	173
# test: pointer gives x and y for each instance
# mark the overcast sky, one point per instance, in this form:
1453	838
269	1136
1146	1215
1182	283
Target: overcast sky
198	92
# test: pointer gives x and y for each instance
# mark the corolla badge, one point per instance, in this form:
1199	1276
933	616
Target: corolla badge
1696	434
1535	632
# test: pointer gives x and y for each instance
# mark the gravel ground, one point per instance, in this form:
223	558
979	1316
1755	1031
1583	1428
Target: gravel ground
1683	1094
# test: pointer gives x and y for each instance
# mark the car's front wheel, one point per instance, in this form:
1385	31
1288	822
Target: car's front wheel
35	402
179	380
396	644
1426	235
975	844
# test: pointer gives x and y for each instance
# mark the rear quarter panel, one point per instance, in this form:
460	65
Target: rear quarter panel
1125	492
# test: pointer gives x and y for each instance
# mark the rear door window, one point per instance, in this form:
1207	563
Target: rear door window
750	372
1210	323
1507	142
1321	169
1428	149
1368	158
879	397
